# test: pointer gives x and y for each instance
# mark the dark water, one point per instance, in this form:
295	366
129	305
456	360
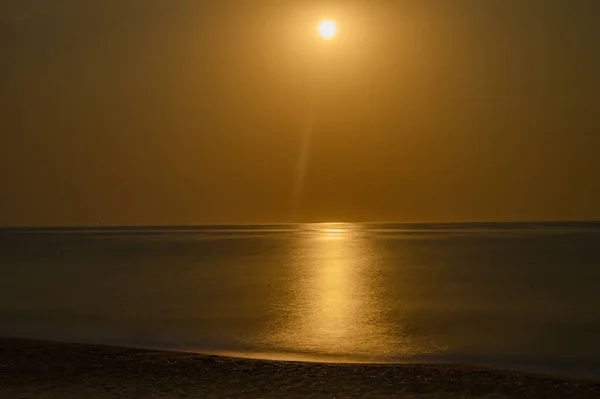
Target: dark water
523	296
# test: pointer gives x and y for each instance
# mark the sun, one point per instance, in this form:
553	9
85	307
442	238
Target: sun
327	29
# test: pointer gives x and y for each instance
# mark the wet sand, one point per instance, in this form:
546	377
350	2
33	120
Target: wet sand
36	369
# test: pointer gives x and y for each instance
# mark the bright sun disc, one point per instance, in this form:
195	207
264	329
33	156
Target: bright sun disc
327	29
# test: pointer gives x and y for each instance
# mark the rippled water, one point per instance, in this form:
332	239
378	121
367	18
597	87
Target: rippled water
524	296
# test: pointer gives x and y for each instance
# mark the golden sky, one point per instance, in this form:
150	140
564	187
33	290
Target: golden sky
192	112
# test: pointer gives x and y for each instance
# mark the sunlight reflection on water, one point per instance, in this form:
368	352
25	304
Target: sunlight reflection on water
337	304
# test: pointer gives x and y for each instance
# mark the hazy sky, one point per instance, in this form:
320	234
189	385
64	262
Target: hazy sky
190	111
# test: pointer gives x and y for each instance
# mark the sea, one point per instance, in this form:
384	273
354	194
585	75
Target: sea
522	296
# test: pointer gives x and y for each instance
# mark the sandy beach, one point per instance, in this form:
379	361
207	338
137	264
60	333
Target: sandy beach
37	369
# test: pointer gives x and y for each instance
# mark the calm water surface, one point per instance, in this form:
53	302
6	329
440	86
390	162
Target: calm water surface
523	296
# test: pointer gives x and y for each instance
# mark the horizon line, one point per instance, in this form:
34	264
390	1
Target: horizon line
225	225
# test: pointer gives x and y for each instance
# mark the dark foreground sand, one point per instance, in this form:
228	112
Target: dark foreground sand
34	369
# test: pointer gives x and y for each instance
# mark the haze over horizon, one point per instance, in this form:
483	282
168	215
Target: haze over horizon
154	112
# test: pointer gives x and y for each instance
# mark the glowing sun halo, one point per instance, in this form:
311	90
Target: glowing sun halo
327	29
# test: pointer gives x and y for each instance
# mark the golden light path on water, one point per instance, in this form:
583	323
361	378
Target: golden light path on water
336	308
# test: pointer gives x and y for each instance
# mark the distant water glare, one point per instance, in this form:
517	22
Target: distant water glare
521	296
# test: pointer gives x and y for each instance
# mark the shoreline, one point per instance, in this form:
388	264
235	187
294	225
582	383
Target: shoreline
41	369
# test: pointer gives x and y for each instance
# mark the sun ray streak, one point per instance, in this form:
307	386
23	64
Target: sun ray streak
302	164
